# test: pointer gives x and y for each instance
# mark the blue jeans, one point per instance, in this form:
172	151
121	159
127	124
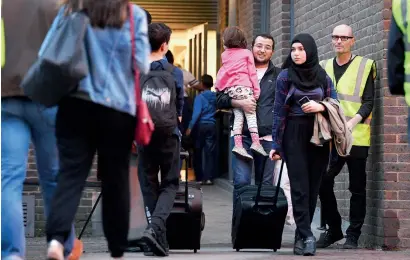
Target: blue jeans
21	121
242	170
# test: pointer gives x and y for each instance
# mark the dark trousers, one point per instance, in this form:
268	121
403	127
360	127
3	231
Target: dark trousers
205	145
242	169
306	164
186	114
83	129
162	154
356	164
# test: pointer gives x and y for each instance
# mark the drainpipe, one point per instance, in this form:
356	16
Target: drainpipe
265	10
292	19
232	13
231	22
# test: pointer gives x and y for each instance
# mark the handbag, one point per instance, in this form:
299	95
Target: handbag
145	125
57	72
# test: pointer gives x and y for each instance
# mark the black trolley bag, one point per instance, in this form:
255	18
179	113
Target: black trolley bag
187	219
259	216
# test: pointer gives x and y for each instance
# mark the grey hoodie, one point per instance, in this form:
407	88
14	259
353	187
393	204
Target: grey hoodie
26	23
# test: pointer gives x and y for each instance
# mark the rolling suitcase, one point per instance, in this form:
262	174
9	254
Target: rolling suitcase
187	219
259	217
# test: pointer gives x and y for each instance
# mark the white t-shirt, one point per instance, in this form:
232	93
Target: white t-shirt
260	73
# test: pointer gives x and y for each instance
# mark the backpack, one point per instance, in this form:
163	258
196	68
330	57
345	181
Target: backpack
159	92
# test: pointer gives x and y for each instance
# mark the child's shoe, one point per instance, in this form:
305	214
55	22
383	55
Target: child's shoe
240	151
259	149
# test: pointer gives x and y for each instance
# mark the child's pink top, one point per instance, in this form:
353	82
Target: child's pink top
238	69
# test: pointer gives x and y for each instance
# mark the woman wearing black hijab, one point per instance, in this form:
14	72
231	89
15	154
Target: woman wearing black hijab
299	86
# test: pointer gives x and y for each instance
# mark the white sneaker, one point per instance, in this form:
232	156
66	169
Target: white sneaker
55	250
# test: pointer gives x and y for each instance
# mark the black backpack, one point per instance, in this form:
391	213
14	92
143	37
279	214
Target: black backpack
159	92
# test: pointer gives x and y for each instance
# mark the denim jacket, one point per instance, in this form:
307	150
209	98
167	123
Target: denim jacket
111	78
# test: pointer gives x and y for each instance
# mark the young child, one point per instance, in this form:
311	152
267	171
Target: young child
237	77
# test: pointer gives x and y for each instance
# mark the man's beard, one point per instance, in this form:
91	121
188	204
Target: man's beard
257	62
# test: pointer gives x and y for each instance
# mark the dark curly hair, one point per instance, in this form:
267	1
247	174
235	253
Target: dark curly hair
234	38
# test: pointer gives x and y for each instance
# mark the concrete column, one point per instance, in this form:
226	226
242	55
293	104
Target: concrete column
232	13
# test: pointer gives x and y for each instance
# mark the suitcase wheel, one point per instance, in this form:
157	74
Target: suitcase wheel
195	250
237	250
275	250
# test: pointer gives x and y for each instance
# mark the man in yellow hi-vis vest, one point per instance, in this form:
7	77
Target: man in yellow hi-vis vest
353	77
398	53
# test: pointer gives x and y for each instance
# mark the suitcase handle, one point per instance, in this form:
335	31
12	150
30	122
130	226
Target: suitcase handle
275	198
186	155
264	211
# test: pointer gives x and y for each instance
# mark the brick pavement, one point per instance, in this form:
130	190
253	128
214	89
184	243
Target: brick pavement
216	240
228	254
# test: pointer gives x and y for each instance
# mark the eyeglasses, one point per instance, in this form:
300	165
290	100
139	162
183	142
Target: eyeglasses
266	47
342	38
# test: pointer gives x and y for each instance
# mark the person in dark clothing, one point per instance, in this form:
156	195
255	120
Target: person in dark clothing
396	58
161	154
203	121
149	17
353	77
262	49
179	79
302	78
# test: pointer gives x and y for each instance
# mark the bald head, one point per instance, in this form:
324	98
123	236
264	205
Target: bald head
343	29
342	39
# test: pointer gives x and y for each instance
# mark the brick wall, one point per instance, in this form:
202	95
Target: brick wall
222	24
249	18
388	189
85	203
280	29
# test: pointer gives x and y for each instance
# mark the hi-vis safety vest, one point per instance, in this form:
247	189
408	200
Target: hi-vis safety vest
350	90
400	14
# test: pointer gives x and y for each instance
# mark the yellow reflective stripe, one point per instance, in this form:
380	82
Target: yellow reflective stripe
360	75
351	98
405	18
403	6
399	8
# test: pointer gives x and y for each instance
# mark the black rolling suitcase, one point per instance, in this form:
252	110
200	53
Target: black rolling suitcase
259	217
187	219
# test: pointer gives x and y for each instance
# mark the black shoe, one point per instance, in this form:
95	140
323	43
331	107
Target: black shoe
351	242
310	246
153	241
298	246
164	242
328	238
147	251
